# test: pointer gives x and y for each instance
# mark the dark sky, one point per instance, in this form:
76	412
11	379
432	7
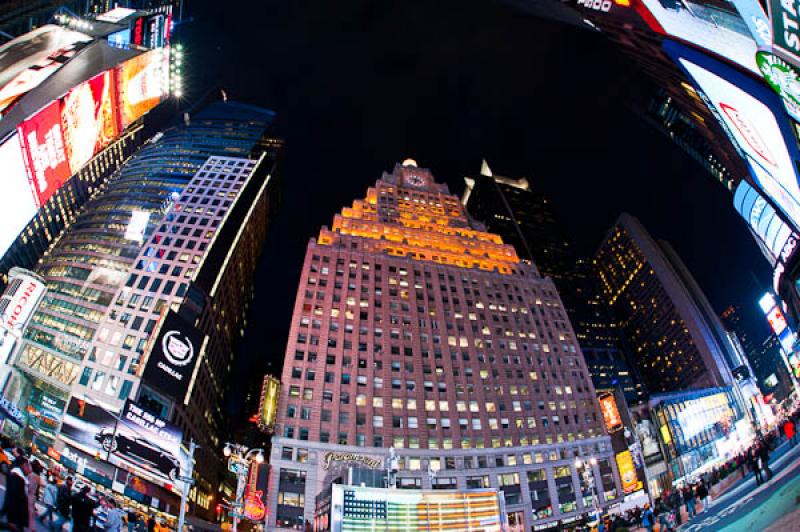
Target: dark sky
360	85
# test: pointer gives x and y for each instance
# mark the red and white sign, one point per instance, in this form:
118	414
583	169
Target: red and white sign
43	148
23	297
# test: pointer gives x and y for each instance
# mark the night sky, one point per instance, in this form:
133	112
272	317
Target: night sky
361	85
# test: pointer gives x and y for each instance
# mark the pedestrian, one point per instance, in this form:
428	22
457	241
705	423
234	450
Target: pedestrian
663	512
135	522
676	501
34	484
789	431
689	500
49	499
82	508
63	504
753	460
15	505
114	516
702	495
763	455
151	523
648	519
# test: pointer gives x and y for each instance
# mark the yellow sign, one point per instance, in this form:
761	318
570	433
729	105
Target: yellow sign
268	407
665	435
627	472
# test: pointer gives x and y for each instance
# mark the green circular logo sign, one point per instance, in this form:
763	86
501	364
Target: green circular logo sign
783	77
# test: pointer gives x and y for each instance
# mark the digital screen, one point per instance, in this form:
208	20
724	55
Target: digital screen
777	322
627	472
610	413
137	225
747	111
88	119
359	508
705	25
27	61
17	203
765	222
133	438
43	149
142	82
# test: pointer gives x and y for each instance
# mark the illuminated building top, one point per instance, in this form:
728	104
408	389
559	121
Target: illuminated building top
408	214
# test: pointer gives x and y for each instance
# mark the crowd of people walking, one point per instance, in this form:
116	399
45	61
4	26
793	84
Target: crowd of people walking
28	482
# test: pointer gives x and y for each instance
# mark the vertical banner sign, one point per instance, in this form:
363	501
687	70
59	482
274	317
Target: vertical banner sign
786	27
173	356
610	413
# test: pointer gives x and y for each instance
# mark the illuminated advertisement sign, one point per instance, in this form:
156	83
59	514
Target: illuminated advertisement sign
756	19
777	322
142	83
20	299
255	507
610	413
173	356
116	14
785	26
268	406
27	61
721	32
134	438
627	472
777	237
754	118
17	202
88	119
356	508
698	419
43	148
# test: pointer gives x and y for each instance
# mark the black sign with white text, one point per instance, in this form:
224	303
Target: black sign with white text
173	357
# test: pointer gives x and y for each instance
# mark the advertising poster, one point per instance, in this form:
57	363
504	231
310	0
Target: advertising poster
173	356
610	413
755	119
45	158
17	202
627	472
142	83
88	119
27	61
134	439
19	300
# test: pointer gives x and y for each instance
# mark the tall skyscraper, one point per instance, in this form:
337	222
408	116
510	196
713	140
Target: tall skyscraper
676	340
168	246
416	330
524	218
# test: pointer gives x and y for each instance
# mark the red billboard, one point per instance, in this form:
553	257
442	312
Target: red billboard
142	82
42	143
610	413
88	119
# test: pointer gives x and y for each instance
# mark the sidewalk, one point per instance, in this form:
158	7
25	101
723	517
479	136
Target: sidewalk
729	487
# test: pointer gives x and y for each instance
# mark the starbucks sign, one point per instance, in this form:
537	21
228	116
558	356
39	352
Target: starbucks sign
782	76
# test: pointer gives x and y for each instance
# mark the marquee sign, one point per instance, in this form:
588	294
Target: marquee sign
372	463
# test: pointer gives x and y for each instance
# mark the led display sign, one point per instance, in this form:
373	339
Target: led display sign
627	472
17	202
88	119
754	118
356	508
777	237
610	413
143	82
721	32
43	148
27	61
173	356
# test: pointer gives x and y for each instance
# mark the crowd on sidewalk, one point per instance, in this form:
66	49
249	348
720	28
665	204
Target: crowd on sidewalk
691	498
29	486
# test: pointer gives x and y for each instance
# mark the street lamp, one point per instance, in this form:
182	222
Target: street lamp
239	461
586	468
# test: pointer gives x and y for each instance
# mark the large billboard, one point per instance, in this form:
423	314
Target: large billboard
173	356
142	83
133	439
608	406
705	25
754	118
355	508
45	158
778	238
20	300
27	61
88	119
17	202
627	472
